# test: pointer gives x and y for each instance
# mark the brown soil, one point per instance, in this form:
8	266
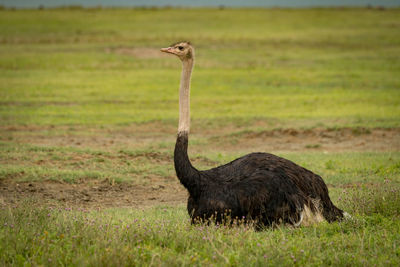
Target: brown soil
223	139
95	194
346	139
159	191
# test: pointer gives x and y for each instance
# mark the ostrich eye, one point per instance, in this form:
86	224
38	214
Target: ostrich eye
180	48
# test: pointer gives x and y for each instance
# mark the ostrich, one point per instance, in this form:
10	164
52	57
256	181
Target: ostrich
259	187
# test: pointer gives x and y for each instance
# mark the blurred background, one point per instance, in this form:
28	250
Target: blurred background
198	3
310	66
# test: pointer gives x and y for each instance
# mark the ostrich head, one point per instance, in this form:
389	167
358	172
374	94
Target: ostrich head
184	50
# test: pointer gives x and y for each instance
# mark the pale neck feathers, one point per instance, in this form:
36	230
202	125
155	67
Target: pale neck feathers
184	96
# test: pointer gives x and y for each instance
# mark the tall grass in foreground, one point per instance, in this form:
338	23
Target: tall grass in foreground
55	235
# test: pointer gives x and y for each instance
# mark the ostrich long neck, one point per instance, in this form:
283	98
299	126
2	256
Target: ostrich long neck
186	173
184	96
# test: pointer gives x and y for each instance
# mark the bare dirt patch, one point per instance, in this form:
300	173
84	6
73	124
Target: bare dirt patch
329	140
133	137
152	138
223	139
94	194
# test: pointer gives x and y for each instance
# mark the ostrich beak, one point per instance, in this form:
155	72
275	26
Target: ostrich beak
167	50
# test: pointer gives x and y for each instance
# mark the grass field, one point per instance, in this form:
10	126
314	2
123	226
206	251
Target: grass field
88	115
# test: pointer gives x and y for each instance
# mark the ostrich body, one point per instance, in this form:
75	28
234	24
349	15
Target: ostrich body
260	187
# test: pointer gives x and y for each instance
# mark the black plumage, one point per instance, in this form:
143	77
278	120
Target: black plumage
259	186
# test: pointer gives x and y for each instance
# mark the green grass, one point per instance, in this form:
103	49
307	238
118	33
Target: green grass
337	66
163	236
68	164
73	81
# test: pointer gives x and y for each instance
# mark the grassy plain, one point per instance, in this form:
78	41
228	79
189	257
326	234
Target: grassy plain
336	67
86	98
